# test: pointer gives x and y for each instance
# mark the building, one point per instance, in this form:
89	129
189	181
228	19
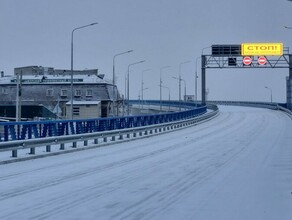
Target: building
85	109
189	98
47	90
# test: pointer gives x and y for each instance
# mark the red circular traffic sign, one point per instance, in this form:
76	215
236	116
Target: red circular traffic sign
262	60
247	60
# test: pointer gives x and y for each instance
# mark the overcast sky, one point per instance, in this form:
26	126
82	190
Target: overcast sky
163	32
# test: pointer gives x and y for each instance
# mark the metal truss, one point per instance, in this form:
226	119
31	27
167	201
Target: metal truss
237	62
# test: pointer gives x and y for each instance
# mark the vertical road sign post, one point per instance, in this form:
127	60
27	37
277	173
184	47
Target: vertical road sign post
289	84
203	61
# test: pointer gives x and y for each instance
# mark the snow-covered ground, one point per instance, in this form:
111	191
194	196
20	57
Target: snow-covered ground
236	166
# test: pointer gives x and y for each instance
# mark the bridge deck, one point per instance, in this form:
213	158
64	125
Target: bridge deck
236	166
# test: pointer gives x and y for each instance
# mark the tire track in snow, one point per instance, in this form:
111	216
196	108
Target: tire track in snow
166	197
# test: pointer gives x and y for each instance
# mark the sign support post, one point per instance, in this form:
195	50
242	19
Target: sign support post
203	64
289	84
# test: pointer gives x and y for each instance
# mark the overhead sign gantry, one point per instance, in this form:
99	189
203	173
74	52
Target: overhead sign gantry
246	56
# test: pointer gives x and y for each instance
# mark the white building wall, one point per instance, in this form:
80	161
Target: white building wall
84	110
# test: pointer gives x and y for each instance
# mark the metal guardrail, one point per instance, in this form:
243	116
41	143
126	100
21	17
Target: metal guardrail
11	131
269	105
118	134
287	111
186	118
166	103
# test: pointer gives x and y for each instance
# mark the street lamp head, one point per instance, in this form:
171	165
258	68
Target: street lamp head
129	51
84	26
164	67
185	62
145	71
142	61
266	87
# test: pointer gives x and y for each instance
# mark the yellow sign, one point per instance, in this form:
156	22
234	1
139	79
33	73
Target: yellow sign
262	49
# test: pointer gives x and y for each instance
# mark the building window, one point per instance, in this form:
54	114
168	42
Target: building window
4	91
76	111
77	92
49	92
89	92
64	92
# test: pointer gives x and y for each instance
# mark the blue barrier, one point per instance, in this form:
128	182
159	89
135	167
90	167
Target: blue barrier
41	129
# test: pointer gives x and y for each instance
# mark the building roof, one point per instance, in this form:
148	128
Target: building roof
54	79
49	75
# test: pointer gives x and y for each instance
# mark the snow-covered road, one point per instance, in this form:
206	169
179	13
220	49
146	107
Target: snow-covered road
236	166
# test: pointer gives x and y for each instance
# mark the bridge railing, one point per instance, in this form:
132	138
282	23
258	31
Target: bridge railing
176	104
11	131
287	111
96	139
269	105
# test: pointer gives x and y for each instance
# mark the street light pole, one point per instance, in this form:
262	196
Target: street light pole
142	84
271	91
114	73
142	97
185	98
18	96
115	96
180	78
185	84
128	81
196	79
204	48
168	95
72	33
287	27
160	84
